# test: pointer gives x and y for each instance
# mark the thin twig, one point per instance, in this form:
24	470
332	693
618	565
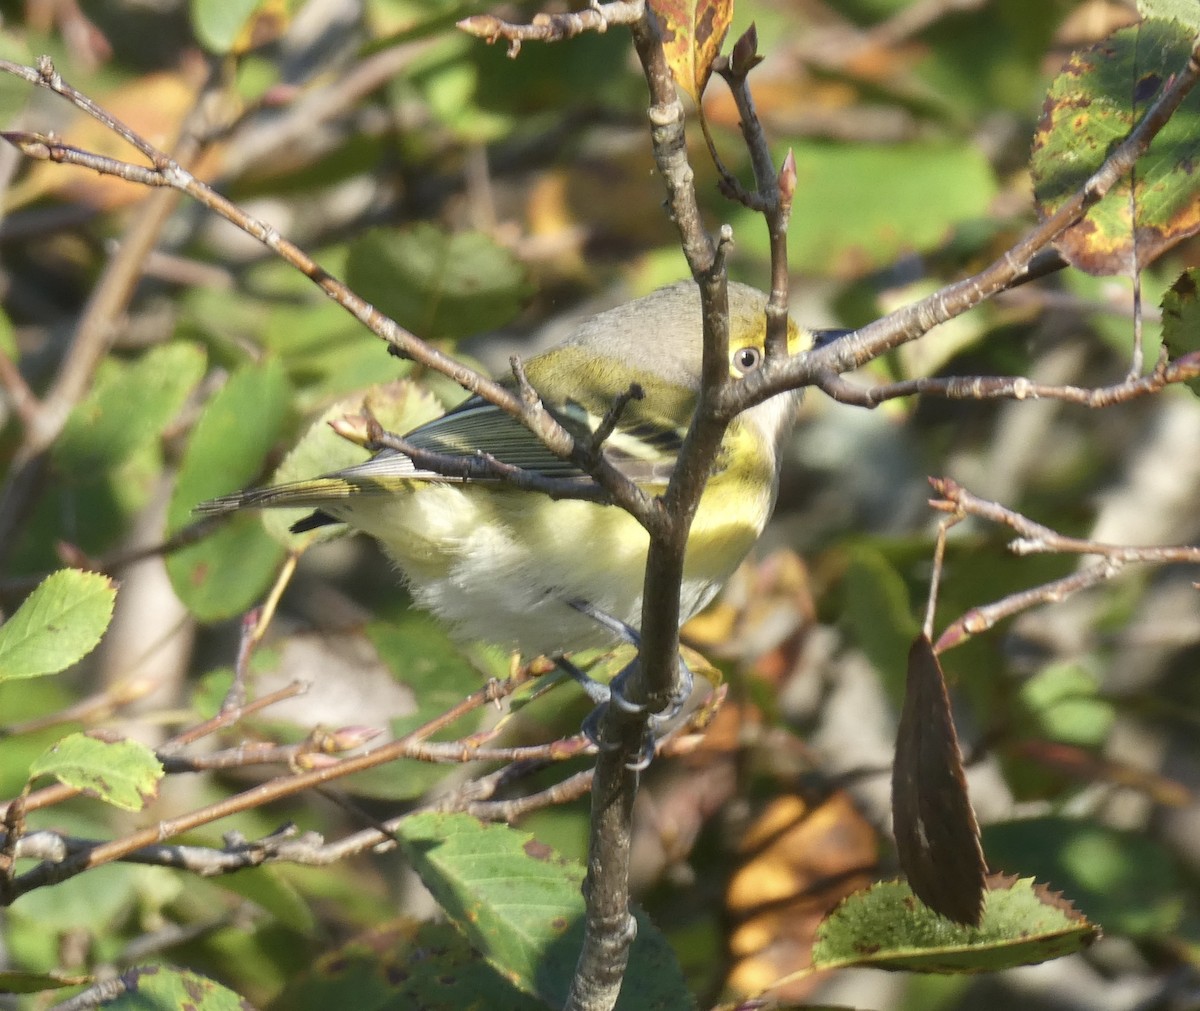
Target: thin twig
165	172
552	27
1166	373
1038	539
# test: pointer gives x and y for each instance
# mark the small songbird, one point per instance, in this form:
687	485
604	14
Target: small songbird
510	566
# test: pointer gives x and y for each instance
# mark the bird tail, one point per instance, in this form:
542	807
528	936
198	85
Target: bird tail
311	494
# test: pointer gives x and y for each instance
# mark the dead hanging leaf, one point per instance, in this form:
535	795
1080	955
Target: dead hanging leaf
692	33
1099	96
799	862
937	837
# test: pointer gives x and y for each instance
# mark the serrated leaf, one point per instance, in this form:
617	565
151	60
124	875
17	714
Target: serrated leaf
886	927
1181	319
1186	12
122	773
57	625
519	905
127	407
513	898
226	572
937	836
1091	106
163	986
437	284
692	33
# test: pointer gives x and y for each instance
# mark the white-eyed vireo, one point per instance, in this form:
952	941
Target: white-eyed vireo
500	564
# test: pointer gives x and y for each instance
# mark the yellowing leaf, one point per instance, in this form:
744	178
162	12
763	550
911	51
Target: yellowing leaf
692	32
1092	105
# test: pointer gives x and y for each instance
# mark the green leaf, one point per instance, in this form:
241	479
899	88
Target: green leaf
127	407
437	284
399	407
219	23
419	651
14	92
863	205
8	339
122	773
1186	12
270	889
879	613
226	572
57	625
1124	880
238	427
1181	319
404	964
162	986
520	906
97	902
1064	701
1091	106
886	927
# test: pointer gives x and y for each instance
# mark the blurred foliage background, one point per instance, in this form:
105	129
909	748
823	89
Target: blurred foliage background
485	202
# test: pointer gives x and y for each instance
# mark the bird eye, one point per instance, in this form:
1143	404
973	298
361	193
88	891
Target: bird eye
746	360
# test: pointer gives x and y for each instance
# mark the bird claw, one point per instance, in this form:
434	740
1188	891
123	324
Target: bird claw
591	730
613	694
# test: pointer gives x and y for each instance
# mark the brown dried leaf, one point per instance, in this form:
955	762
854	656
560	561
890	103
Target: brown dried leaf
937	837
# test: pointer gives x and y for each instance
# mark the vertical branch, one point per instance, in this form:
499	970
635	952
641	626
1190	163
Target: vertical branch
609	928
774	191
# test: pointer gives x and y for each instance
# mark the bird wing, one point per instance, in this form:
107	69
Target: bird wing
644	451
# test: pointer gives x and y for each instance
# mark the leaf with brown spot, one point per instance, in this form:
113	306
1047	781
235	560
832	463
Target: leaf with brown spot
123	773
692	33
1091	106
937	837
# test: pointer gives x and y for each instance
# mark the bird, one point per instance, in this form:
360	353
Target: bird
551	576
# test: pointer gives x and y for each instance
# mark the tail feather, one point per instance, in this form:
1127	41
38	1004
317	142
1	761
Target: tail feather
295	495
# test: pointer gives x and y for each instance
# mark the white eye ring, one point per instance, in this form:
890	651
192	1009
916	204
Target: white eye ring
746	360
